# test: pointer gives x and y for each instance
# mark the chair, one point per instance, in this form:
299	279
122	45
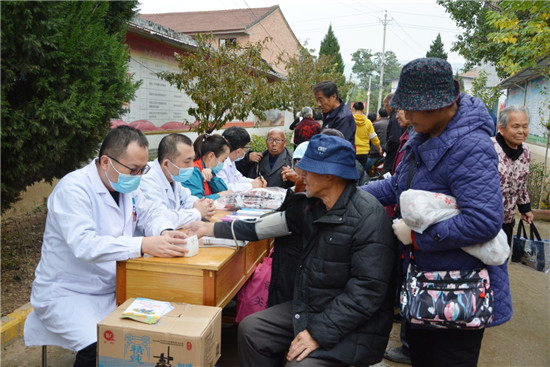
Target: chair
35	334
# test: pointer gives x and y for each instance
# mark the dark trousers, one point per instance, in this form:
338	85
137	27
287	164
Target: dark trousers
362	158
264	338
86	357
508	228
444	347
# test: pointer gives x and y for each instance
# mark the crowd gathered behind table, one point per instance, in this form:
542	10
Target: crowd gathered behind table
211	278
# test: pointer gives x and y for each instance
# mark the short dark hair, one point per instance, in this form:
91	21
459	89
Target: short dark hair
237	137
382	112
372	116
206	143
118	139
359	106
327	87
333	132
168	147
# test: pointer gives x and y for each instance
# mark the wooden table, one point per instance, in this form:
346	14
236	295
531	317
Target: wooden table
212	277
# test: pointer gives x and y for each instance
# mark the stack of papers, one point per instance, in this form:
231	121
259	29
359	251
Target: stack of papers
147	310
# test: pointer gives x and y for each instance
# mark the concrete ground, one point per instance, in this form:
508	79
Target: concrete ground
523	341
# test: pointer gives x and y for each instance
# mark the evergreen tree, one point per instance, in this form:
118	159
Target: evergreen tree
437	49
64	77
331	47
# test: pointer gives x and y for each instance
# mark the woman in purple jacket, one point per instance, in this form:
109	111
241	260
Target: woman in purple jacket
452	154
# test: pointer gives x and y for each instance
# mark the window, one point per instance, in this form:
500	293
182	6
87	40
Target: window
228	42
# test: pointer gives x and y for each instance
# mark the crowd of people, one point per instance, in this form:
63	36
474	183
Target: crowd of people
338	260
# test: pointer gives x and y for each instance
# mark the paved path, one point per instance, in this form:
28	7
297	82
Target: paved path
523	341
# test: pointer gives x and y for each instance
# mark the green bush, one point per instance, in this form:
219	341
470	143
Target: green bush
534	183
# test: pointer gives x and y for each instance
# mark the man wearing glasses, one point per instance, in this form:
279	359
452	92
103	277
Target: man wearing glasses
93	214
274	159
238	139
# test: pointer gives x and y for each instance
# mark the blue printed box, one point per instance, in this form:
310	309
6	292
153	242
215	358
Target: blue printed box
187	336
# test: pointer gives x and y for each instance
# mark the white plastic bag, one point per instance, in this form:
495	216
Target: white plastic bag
420	209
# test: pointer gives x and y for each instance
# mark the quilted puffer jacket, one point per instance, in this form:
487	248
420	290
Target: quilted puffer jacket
345	282
460	162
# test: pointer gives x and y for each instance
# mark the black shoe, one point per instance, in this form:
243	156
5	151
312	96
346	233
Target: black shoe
398	354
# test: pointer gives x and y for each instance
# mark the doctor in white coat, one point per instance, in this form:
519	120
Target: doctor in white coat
93	213
162	184
238	139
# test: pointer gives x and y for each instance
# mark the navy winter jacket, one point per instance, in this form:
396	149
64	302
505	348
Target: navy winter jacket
461	162
341	119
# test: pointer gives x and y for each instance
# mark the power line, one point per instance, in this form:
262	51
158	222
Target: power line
351	26
357	10
407	33
422	15
430	28
272	38
402	40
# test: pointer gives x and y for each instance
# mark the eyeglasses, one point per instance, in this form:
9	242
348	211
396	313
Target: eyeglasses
246	149
278	141
133	171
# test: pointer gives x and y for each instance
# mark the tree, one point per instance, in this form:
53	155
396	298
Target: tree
523	27
368	64
437	49
491	28
304	71
363	66
64	77
489	95
331	47
473	43
226	84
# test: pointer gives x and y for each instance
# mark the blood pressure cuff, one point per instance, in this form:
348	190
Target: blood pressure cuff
268	226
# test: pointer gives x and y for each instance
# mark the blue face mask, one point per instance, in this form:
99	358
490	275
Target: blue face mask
184	173
217	169
238	159
126	183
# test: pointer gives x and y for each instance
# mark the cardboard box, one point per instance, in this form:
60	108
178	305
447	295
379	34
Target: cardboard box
188	336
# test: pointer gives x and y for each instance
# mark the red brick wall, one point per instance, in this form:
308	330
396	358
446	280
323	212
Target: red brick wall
275	26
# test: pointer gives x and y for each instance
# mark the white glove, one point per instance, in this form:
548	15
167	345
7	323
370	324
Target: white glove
402	232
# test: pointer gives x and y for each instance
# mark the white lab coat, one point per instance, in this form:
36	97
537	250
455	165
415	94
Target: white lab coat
86	233
176	201
233	178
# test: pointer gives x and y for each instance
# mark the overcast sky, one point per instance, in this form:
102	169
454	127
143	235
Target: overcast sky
413	25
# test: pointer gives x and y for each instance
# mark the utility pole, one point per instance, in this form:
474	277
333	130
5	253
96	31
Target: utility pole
368	96
385	23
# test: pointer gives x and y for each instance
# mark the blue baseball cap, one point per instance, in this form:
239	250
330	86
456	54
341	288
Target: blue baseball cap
330	155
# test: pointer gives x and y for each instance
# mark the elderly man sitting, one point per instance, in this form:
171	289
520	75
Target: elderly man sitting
271	162
342	309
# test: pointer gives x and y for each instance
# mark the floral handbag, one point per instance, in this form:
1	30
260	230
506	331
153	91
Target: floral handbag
457	299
